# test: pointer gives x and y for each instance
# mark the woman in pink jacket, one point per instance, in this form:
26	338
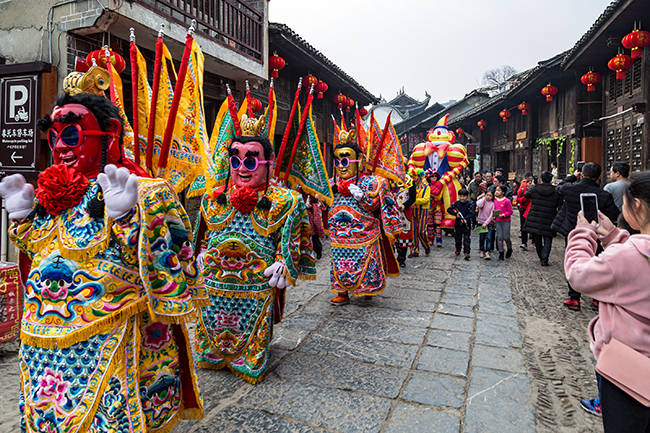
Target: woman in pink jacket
620	279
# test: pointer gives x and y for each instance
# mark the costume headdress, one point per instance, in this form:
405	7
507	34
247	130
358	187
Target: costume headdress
441	132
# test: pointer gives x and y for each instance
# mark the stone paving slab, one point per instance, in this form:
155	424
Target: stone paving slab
442	360
408	418
453	323
342	374
332	409
499	331
435	390
449	339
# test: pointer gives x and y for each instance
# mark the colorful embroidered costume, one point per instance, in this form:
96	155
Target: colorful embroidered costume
235	330
359	251
104	339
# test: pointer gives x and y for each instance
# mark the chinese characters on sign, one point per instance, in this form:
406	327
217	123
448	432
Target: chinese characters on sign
18	114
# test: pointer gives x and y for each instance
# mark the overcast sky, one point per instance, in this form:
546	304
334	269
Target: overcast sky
442	47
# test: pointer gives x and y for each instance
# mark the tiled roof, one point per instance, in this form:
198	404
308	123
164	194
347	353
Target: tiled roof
296	38
602	19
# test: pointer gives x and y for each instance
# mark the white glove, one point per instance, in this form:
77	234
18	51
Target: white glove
18	196
356	192
200	261
120	190
276	272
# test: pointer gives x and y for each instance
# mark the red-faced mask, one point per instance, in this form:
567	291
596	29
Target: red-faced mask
79	144
247	164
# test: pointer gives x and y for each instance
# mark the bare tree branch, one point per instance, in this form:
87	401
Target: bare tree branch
498	77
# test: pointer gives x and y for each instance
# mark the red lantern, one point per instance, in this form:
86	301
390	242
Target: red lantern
308	81
549	91
256	105
100	58
635	41
340	100
460	132
363	112
350	104
620	63
276	63
590	79
481	124
524	107
505	114
321	88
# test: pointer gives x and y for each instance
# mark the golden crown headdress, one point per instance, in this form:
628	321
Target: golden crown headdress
252	127
95	80
347	137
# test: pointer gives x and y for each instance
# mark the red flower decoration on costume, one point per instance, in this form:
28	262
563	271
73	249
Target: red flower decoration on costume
156	335
244	198
343	186
60	187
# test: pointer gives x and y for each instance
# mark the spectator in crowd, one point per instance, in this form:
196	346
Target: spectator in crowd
544	202
620	334
565	220
554	172
523	203
498	172
463	210
473	186
504	207
485	218
501	180
618	175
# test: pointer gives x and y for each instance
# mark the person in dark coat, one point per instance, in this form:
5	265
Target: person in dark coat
565	220
544	203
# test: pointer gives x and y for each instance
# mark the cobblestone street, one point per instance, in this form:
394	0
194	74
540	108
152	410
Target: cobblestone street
450	346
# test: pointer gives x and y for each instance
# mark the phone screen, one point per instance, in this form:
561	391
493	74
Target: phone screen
590	207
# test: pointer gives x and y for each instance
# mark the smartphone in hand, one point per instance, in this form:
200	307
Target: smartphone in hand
589	207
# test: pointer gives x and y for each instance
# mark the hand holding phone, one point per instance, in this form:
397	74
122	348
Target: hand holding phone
589	207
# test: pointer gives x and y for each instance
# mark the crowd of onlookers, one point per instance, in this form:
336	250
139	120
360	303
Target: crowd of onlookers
606	258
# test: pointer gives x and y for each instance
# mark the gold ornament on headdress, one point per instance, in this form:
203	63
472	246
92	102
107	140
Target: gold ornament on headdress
252	127
347	137
95	81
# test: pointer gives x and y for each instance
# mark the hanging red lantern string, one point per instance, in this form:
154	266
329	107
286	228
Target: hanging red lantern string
635	42
117	61
321	88
460	132
276	63
620	63
481	124
524	107
549	91
504	114
363	112
590	79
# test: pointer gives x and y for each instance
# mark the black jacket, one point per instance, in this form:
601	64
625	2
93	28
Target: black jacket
544	203
465	208
565	221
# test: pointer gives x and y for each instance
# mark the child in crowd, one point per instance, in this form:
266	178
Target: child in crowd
618	278
504	206
485	209
463	210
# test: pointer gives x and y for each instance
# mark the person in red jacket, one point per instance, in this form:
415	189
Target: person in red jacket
524	206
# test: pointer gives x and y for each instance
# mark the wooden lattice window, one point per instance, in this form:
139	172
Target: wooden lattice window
615	87
636	163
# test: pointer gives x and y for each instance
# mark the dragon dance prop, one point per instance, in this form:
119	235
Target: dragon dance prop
441	154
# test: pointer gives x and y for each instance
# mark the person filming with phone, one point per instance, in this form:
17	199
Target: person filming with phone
565	221
618	278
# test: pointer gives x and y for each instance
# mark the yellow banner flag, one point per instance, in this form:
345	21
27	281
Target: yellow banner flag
189	134
144	102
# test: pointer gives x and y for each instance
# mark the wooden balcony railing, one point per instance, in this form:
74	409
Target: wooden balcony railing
229	22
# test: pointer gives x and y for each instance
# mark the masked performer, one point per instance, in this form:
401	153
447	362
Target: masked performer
405	199
258	241
420	215
104	342
363	222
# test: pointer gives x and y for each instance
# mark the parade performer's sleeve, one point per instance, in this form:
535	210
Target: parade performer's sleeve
457	159
390	216
296	247
424	196
170	276
452	209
